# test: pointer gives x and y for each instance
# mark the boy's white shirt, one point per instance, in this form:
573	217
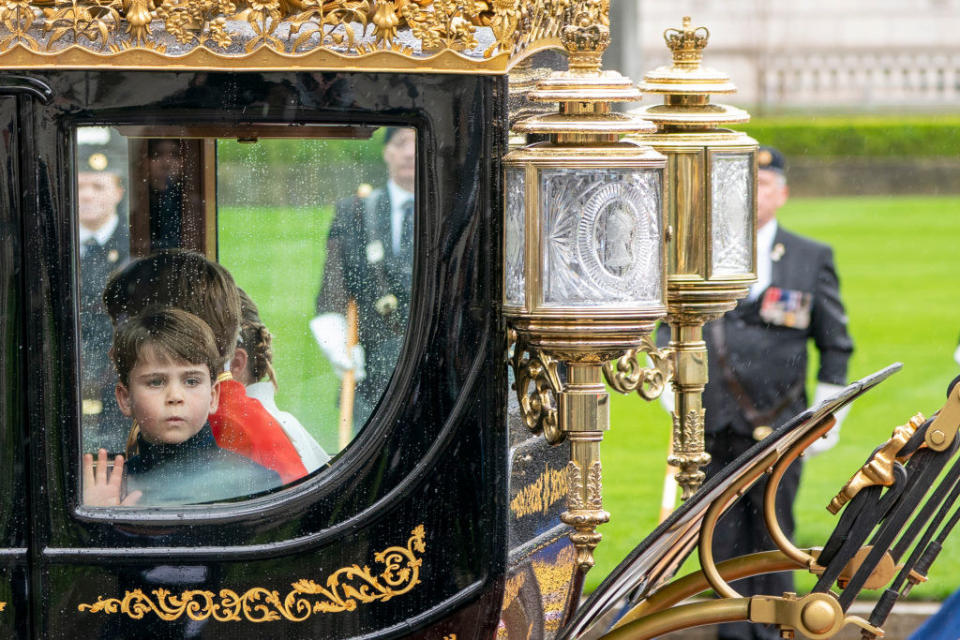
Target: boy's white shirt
311	453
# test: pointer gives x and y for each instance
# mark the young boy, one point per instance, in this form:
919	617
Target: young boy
188	281
167	363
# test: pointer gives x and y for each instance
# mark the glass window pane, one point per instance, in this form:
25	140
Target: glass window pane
292	255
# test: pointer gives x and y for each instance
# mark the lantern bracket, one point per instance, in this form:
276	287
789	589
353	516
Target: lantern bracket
537	384
626	375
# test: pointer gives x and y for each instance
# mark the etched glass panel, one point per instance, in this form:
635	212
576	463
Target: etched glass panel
731	214
514	241
601	237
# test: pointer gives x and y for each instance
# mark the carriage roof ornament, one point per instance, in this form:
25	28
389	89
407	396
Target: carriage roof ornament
426	36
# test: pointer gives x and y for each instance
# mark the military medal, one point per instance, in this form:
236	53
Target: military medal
786	307
777	252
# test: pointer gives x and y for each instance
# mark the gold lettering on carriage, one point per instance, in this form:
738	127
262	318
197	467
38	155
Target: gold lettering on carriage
538	496
344	590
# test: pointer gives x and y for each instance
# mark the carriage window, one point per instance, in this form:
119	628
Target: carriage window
244	295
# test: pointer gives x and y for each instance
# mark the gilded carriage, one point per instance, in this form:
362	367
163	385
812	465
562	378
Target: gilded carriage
465	501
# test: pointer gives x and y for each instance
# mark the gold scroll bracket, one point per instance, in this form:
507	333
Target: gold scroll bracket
537	385
626	374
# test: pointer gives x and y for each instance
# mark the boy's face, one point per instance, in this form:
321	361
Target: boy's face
170	400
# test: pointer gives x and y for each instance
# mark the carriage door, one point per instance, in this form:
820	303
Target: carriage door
292	509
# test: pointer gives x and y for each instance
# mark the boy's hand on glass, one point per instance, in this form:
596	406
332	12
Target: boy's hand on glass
101	489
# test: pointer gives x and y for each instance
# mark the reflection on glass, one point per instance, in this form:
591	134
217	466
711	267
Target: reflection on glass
104	239
271	270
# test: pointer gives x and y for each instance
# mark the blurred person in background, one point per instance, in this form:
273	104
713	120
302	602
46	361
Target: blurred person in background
757	357
369	265
104	240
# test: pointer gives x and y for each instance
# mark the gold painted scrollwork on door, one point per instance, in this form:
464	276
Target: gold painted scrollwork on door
344	590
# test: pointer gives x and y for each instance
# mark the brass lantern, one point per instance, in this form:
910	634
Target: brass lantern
584	253
712	214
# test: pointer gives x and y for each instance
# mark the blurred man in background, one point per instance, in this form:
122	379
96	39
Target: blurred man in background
104	241
369	265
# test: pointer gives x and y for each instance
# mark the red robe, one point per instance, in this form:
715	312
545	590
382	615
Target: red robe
243	426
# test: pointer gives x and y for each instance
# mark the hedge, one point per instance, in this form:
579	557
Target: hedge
875	136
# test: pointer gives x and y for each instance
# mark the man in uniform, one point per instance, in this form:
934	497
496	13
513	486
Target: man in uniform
370	264
104	241
757	358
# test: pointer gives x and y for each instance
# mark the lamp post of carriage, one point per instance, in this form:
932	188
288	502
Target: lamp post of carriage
584	253
711	222
603	236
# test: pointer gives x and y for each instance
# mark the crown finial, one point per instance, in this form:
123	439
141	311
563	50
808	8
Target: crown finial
687	43
586	39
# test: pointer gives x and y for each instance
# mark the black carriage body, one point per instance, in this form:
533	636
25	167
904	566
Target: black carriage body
407	533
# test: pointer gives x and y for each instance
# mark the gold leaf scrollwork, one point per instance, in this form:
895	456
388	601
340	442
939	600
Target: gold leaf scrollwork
449	24
537	384
506	17
626	375
537	497
344	590
692	428
414	29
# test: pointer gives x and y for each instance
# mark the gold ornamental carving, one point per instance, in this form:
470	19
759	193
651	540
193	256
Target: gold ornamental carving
344	590
477	36
688	449
3	605
585	510
626	374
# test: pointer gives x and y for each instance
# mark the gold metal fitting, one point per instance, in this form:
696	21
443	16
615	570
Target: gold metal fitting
815	615
943	430
878	470
626	374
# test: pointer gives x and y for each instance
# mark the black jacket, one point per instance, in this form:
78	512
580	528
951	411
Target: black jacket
766	339
103	424
193	472
361	265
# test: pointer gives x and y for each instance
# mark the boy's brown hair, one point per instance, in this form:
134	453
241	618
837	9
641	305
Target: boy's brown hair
184	280
171	333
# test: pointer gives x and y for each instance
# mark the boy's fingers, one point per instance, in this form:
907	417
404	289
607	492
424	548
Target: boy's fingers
87	470
131	499
117	475
101	473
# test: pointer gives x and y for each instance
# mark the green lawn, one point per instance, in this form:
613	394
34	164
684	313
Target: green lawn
897	260
276	256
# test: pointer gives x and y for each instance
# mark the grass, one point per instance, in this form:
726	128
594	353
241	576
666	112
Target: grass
897	263
276	255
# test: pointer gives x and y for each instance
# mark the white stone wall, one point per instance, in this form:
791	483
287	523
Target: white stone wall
821	54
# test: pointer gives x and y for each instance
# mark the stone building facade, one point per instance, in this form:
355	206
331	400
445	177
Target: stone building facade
784	55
